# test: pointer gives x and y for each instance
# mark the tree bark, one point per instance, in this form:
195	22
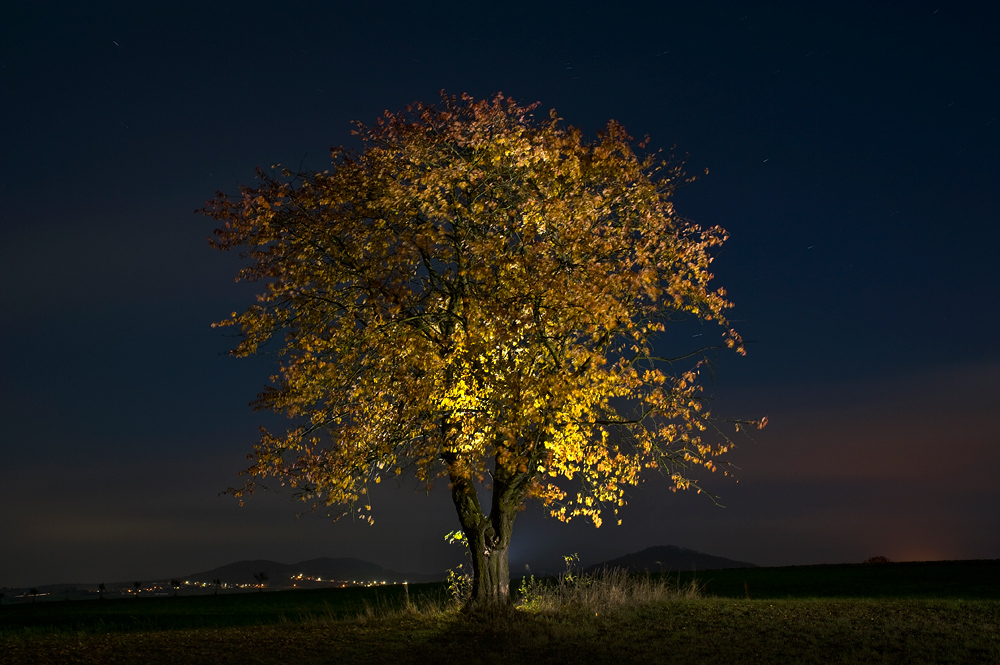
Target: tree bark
488	538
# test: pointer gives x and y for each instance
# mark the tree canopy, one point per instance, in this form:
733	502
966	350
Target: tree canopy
478	294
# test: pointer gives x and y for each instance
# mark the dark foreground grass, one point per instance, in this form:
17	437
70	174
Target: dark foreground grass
966	580
677	631
202	612
902	613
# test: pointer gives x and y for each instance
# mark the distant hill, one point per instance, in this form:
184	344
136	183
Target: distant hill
667	558
653	559
348	569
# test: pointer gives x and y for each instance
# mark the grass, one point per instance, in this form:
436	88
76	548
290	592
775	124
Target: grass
597	619
131	615
603	592
924	579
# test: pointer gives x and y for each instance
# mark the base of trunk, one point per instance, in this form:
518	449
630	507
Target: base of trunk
490	570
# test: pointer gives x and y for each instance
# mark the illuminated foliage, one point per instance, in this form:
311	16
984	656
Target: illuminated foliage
477	294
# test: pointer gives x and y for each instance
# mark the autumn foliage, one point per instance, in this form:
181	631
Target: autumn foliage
477	294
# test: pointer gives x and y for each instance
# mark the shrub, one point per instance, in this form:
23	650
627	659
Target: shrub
877	559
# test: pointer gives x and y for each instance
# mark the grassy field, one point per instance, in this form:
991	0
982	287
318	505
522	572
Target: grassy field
896	613
965	580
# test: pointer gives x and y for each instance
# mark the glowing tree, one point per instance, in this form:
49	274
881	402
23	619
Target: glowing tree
477	294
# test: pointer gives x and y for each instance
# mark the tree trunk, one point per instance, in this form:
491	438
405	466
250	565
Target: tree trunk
490	568
488	538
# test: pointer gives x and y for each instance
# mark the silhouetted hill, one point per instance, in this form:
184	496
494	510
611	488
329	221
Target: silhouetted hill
667	558
348	569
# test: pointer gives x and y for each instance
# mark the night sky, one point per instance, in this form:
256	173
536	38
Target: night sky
853	154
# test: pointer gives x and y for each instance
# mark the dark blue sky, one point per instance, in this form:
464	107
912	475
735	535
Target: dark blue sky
854	157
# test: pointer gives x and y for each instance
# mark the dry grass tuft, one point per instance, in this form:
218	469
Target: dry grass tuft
607	591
